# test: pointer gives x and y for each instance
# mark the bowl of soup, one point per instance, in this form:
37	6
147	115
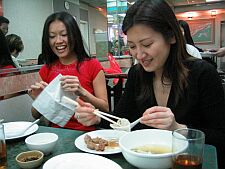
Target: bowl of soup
148	148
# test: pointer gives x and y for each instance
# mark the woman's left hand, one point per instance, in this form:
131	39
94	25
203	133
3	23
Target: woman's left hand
159	117
72	84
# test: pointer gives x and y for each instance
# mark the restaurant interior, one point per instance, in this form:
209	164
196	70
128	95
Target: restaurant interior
100	23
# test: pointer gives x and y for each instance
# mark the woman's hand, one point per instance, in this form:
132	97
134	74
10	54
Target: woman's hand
220	52
72	84
36	89
160	117
84	114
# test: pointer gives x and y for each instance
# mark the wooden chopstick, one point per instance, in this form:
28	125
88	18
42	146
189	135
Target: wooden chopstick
69	100
96	111
109	115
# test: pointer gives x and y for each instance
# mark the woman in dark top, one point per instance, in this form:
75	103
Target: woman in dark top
168	88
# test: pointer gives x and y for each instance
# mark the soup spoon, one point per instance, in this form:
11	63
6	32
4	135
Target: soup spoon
125	124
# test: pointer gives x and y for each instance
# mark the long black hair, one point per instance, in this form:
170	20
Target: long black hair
5	56
74	38
158	15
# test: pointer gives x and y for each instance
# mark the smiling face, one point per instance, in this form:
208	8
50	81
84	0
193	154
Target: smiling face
148	47
59	43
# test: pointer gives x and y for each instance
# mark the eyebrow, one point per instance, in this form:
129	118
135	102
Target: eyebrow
139	41
62	31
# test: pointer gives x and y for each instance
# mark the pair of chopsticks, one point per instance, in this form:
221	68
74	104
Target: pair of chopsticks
96	111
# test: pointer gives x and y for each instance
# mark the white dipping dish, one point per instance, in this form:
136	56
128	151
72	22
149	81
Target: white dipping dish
123	125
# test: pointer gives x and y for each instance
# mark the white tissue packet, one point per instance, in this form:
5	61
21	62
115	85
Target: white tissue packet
49	103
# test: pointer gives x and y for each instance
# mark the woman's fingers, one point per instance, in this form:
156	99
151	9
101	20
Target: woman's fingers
36	89
71	84
158	117
84	104
84	113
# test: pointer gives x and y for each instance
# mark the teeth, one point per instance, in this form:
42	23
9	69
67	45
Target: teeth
60	47
148	60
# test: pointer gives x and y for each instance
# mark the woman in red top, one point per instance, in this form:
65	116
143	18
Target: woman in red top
64	53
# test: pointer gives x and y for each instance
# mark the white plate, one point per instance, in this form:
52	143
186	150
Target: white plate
80	161
12	127
105	134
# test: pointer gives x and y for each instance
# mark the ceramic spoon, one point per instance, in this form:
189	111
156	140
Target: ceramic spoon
134	123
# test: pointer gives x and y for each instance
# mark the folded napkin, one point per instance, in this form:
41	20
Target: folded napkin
49	103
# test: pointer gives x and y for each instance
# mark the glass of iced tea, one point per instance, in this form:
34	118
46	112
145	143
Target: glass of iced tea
3	158
188	148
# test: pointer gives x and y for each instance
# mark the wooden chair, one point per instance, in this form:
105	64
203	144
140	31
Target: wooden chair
115	91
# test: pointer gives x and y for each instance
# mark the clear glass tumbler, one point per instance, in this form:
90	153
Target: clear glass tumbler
188	148
3	156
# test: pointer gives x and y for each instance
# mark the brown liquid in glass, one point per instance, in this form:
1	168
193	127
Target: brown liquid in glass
187	162
3	157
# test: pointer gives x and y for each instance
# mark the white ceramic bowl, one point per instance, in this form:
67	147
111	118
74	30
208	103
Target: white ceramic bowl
29	159
44	142
153	137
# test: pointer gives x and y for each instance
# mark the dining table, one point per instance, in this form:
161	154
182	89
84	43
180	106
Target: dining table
66	144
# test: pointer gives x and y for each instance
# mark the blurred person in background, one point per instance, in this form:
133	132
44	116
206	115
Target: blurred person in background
187	34
192	50
63	53
168	89
15	47
4	23
6	62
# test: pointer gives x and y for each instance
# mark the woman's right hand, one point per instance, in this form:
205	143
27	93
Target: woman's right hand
36	89
84	114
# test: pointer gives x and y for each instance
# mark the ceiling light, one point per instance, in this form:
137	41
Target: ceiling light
213	13
122	14
109	16
130	3
190	15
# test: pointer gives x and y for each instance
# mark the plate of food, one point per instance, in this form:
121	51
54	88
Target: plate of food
12	128
80	161
100	141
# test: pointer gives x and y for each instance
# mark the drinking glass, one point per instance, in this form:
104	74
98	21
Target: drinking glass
3	157
188	148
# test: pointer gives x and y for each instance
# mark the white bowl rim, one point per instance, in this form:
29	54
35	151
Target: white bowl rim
147	154
37	151
50	141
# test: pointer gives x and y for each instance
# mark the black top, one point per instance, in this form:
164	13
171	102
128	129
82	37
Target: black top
201	107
